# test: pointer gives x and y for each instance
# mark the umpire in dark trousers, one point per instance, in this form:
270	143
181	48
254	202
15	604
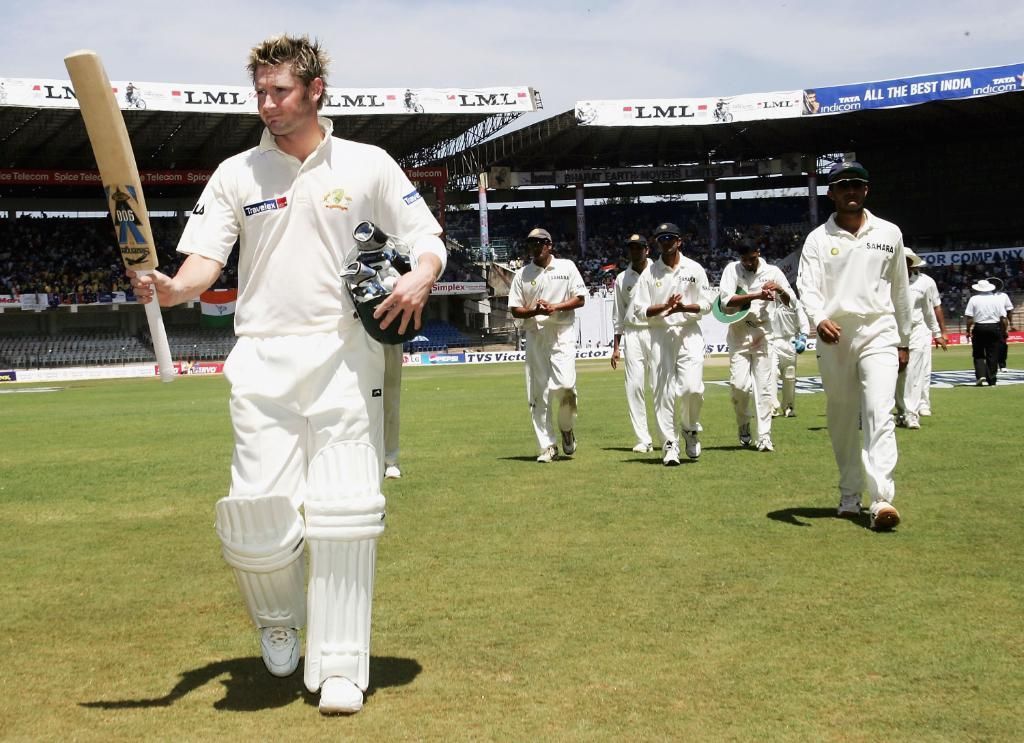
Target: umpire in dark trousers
986	317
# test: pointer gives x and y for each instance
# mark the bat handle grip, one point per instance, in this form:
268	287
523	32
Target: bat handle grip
159	336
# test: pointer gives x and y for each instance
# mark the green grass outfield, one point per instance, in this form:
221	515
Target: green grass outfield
599	598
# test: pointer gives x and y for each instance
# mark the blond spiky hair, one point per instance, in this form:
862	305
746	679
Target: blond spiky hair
307	58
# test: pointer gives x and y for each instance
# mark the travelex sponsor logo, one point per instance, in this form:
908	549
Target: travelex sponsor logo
269	205
412	197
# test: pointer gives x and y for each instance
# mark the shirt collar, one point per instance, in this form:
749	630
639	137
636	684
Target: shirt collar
833	229
267	141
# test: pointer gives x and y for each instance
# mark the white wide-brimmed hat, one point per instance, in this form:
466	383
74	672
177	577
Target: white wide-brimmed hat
984	286
916	261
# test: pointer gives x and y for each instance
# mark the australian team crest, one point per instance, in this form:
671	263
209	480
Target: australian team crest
337	199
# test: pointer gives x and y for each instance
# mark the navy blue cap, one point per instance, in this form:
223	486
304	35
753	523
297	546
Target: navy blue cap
667	228
852	167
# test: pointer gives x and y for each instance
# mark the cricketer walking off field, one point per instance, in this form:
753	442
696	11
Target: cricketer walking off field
673	293
853	283
632	342
544	295
306	377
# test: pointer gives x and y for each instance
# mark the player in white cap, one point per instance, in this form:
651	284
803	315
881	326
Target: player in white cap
927	324
544	295
633	342
854	285
752	284
673	293
306	376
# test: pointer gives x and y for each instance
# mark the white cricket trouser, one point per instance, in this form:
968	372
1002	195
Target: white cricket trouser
293	395
750	377
636	354
784	370
551	380
913	381
859	375
307	413
677	352
392	399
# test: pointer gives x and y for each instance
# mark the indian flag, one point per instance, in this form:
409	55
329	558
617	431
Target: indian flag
218	308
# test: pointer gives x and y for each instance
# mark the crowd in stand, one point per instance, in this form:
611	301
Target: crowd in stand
77	261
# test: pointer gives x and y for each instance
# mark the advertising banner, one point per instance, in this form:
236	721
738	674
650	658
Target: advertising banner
942	258
910	91
241	99
30	177
690	111
451	288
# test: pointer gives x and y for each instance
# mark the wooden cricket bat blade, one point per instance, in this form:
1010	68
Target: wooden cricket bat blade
115	160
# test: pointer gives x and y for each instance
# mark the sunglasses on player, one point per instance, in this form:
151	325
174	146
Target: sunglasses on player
849	183
666	238
537	241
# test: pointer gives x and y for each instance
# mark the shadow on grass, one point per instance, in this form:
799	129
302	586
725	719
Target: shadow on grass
793	516
249	688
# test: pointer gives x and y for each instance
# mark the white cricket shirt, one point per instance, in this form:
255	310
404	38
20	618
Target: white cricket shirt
738	280
924	298
294	220
622	315
558	281
864	275
658	282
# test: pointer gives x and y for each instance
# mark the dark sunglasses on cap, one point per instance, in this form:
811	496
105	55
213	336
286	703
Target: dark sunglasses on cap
666	238
849	183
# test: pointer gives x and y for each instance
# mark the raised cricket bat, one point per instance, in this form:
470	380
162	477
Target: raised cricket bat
120	175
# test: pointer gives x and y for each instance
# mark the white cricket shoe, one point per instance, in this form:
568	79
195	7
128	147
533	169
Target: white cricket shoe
926	412
849	506
569	442
776	412
548	455
280	646
883	516
744	432
643	448
339	696
391	472
912	421
790	413
765	443
671	456
692	439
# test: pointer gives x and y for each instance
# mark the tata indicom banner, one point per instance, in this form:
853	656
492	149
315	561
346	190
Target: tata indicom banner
40	93
910	91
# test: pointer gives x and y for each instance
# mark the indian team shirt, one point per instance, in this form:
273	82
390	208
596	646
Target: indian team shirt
924	298
622	314
293	222
558	281
863	275
658	282
738	280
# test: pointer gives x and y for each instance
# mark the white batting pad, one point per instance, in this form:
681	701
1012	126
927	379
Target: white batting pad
262	540
344	517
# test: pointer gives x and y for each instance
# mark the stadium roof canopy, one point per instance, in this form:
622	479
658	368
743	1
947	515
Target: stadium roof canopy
561	143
